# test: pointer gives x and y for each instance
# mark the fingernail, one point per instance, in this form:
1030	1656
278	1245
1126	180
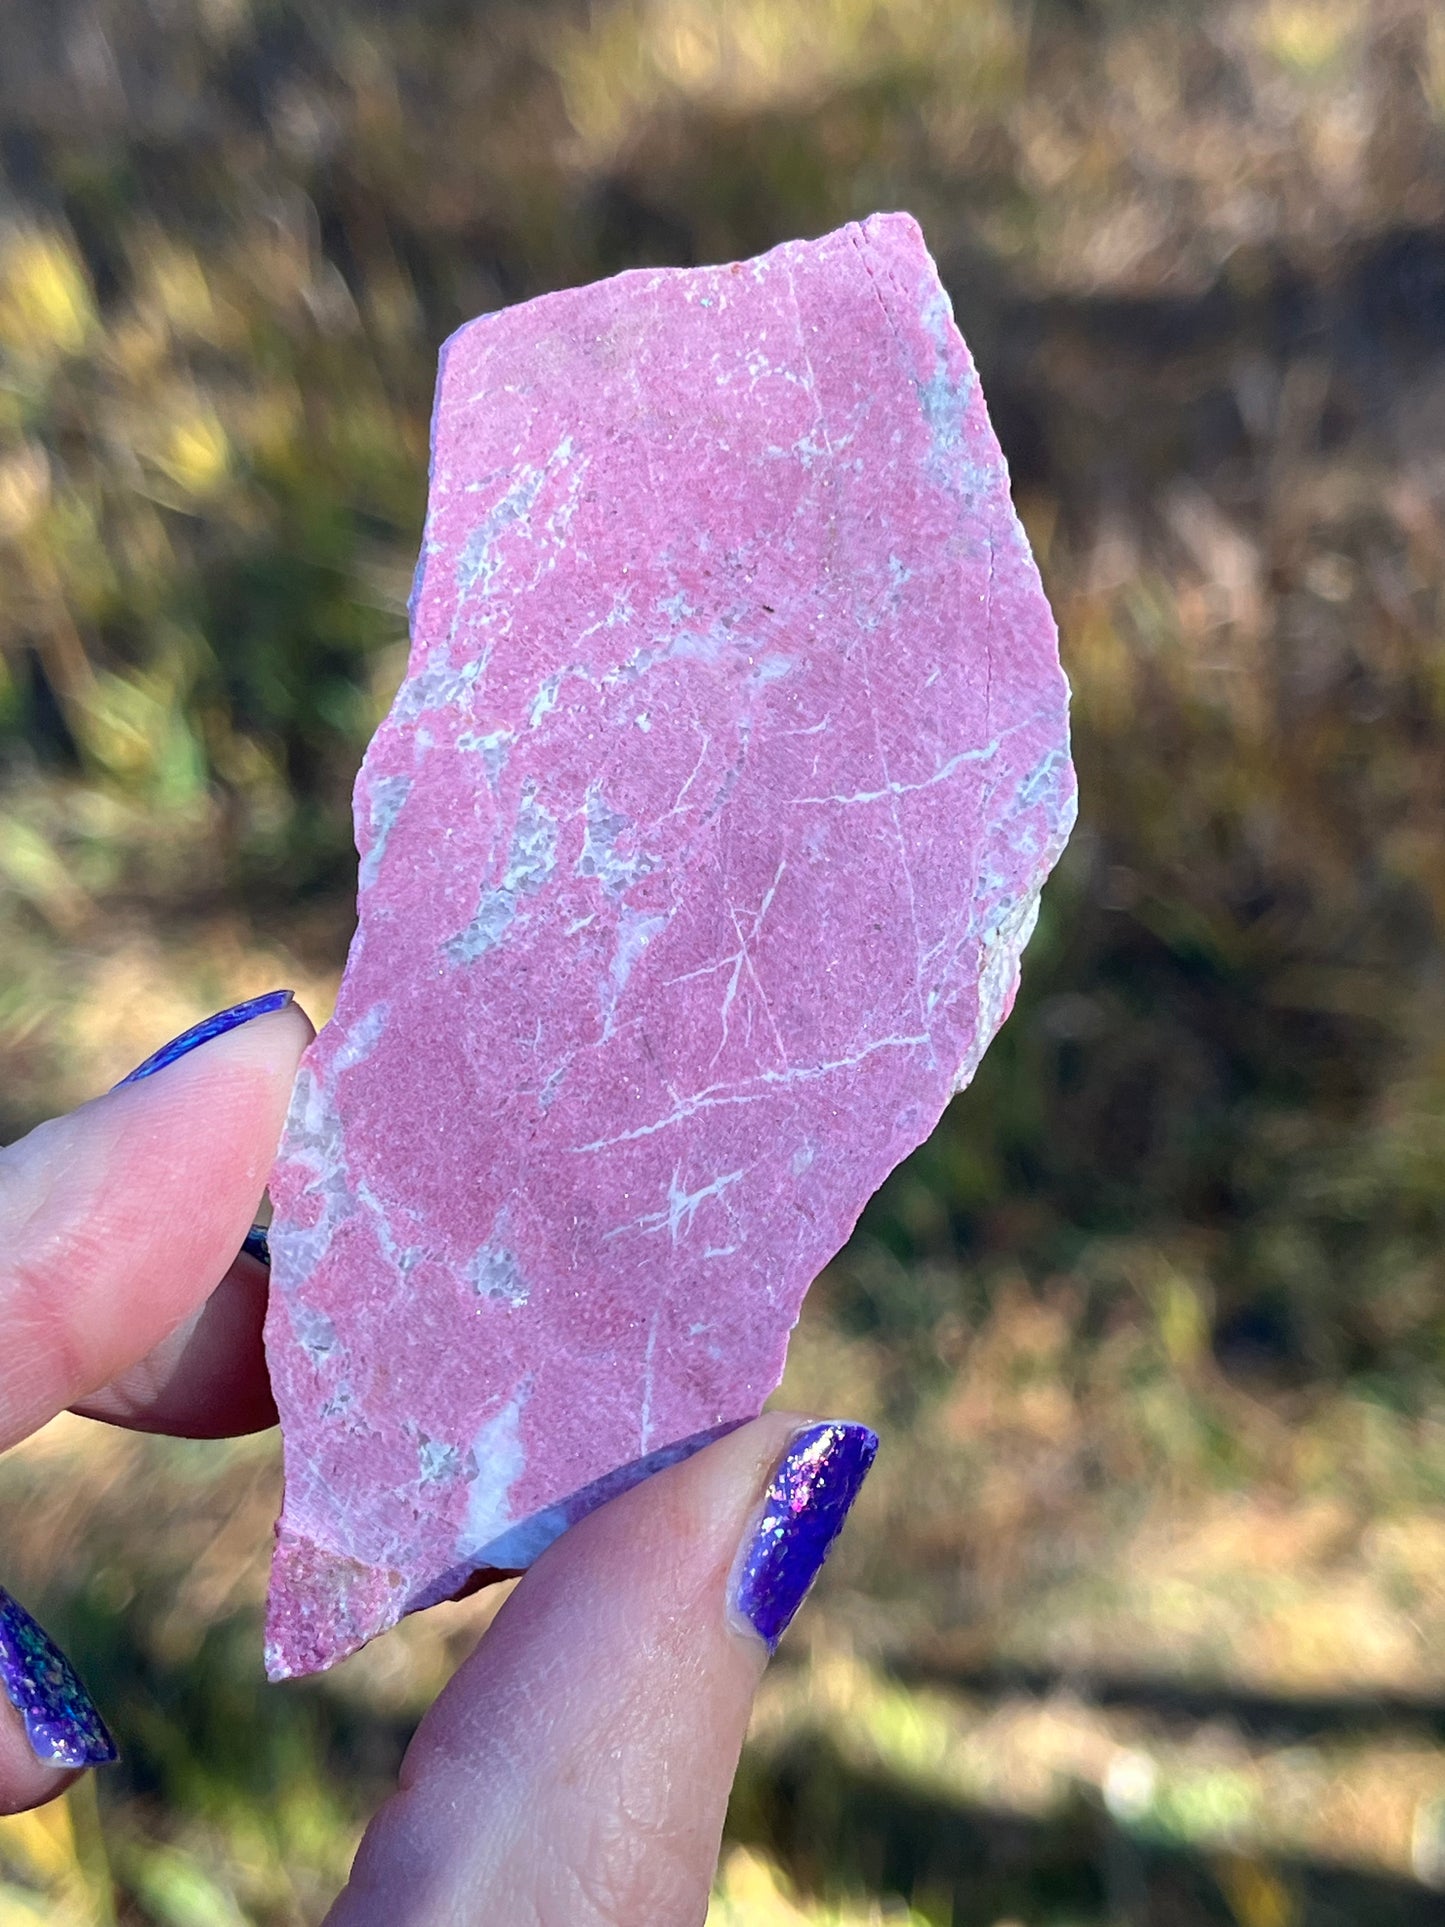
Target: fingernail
208	1028
61	1720
257	1244
807	1500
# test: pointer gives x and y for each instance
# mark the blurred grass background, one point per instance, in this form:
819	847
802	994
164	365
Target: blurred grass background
1142	1617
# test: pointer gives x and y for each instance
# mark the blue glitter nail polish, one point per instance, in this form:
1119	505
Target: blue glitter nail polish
61	1721
257	1244
208	1028
808	1497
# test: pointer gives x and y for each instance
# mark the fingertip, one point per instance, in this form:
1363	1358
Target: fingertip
25	1781
269	1042
606	1707
120	1219
50	1728
222	1022
809	1494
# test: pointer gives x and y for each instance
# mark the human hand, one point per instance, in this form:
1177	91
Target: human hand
576	1768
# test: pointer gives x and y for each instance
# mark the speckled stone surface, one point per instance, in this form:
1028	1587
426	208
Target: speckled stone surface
697	855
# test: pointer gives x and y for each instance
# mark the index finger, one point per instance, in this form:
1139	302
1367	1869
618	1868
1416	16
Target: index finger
117	1220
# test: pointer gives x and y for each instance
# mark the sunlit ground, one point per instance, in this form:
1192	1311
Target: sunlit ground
1228	1648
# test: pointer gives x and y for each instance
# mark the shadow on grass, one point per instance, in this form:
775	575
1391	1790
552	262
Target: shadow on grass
836	1828
210	1743
1284	1719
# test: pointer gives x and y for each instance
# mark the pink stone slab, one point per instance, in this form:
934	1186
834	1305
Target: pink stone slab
697	855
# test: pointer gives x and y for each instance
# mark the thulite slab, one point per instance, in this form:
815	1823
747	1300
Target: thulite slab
697	854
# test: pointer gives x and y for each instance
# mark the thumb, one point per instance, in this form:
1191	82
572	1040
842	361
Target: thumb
577	1767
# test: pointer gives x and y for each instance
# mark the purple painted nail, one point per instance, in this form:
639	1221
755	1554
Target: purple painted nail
257	1244
61	1721
208	1028
808	1497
